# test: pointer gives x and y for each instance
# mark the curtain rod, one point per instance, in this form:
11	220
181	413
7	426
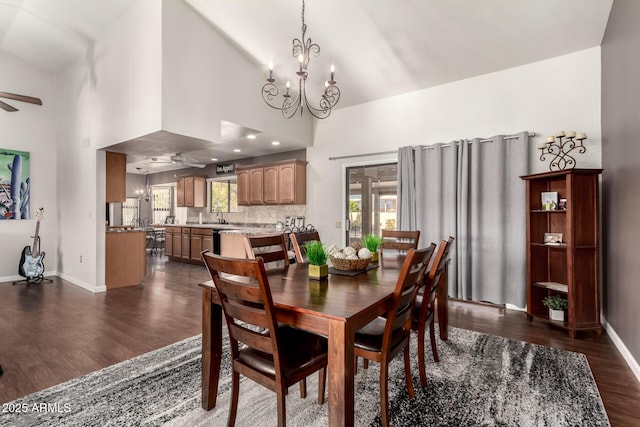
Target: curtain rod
531	134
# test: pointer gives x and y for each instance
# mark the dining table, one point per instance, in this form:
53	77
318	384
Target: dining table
335	307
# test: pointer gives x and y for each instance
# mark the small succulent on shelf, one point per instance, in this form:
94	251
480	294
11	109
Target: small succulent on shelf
316	253
555	302
372	242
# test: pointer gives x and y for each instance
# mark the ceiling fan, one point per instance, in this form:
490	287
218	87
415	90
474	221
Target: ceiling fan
179	159
23	98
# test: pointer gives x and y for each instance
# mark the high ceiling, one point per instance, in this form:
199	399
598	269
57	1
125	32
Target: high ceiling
380	48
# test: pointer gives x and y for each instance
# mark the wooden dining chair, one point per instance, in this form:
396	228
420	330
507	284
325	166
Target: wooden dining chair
424	309
398	241
271	248
382	339
299	239
273	355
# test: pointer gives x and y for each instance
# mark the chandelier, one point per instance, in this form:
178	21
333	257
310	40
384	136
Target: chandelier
291	102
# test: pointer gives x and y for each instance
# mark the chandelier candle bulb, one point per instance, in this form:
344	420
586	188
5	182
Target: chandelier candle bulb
333	70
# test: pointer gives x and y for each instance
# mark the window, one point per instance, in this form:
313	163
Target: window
224	196
161	205
130	211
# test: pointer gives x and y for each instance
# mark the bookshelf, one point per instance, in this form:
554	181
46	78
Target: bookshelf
571	267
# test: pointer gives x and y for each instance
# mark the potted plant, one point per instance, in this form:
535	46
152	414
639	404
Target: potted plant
556	304
317	256
372	242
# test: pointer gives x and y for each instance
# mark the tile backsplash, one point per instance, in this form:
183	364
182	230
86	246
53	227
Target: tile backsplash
263	214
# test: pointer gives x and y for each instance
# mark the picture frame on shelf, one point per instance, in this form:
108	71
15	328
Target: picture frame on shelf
562	204
549	200
553	238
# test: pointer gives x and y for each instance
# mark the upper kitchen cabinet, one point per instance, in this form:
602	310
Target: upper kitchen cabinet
292	183
191	191
282	183
250	186
116	168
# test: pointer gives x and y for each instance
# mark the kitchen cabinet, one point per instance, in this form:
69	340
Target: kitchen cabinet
116	177
292	183
271	183
186	243
242	182
201	239
173	241
281	183
191	191
570	267
256	187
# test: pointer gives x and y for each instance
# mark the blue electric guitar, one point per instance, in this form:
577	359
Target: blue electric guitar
31	262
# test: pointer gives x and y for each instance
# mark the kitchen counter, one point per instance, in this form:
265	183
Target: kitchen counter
253	231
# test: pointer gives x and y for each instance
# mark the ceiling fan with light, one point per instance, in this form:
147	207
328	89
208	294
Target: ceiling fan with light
178	159
23	98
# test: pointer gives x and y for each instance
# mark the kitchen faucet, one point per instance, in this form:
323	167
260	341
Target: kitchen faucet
220	216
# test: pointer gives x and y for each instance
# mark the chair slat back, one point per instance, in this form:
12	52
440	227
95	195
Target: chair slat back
245	295
440	262
298	241
270	248
400	240
409	281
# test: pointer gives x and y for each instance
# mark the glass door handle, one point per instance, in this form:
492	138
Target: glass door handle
347	225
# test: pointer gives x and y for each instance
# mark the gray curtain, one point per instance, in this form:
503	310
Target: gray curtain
471	190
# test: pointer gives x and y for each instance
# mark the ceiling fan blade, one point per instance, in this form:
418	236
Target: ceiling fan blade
7	107
195	165
23	98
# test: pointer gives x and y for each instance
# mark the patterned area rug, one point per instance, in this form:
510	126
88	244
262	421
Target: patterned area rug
480	380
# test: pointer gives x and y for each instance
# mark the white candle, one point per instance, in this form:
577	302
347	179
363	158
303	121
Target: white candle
581	135
542	145
560	133
550	139
571	134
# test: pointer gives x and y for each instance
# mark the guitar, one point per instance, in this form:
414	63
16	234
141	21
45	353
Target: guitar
31	262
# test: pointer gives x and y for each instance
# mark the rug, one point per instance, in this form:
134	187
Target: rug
480	380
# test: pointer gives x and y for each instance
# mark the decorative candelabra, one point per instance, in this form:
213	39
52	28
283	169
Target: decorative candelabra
560	150
302	49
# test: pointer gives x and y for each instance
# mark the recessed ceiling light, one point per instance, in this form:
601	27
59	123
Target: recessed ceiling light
251	136
275	142
213	159
236	150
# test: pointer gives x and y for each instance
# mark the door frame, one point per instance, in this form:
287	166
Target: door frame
343	211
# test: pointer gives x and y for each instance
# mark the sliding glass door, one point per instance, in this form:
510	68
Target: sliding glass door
371	199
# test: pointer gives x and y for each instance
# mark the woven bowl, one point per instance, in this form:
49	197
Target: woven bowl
349	264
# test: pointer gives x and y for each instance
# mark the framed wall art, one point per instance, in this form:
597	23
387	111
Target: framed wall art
15	188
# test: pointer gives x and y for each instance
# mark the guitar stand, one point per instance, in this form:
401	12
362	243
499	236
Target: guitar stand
30	280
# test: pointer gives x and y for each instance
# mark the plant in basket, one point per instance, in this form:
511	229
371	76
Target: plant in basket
317	257
372	242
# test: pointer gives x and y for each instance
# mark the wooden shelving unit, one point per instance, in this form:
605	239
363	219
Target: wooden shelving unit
571	268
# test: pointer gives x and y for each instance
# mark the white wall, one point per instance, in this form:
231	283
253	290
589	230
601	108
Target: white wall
205	80
31	129
105	99
562	93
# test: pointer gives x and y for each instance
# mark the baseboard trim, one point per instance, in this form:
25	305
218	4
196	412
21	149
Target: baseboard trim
624	351
83	285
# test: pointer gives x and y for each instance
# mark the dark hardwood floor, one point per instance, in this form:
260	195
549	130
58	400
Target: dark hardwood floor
54	332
